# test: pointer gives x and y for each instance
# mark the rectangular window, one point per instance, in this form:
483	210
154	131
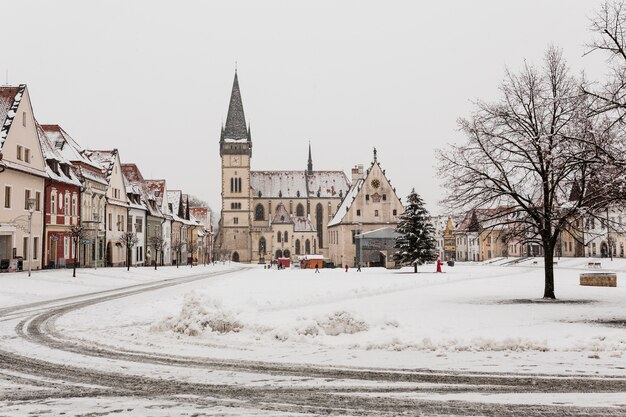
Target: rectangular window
25	248
358	212
37	201
395	212
26	198
367	197
235	220
376	213
74	211
139	225
122	223
53	201
35	246
110	221
27	155
24	118
384	197
7	196
19	153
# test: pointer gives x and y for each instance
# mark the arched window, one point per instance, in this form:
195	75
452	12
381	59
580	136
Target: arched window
235	257
286	238
279	254
297	246
278	236
319	223
299	210
262	246
286	253
259	212
307	247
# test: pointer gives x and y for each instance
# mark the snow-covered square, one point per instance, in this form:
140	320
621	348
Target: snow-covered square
238	339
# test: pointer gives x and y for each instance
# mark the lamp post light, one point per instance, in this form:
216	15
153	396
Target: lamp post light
31	209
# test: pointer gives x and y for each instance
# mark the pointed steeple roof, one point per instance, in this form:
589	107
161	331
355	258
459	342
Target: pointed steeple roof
235	120
309	166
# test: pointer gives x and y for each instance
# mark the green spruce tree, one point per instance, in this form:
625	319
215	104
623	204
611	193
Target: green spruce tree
415	241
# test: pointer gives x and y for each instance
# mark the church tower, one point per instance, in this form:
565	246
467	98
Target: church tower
235	152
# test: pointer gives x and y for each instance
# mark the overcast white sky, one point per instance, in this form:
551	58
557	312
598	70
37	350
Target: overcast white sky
153	78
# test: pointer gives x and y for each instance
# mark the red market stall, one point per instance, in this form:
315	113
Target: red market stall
284	262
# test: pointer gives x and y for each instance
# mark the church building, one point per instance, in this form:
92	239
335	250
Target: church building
271	214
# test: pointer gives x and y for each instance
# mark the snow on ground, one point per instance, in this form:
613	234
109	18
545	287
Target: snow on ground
17	288
472	317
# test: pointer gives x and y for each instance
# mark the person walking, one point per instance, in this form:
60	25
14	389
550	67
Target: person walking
317	269
346	267
358	268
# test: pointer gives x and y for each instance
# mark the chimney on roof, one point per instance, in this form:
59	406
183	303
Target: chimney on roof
357	173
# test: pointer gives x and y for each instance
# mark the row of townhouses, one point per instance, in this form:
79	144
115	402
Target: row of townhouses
61	204
474	236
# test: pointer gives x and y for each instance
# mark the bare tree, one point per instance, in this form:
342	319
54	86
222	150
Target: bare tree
77	233
609	29
158	243
128	240
177	248
192	247
526	153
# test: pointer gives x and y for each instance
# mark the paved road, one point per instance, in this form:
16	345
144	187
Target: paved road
368	393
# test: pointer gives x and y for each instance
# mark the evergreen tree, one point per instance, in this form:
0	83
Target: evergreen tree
415	241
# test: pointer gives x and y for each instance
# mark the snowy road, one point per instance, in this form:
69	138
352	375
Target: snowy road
44	370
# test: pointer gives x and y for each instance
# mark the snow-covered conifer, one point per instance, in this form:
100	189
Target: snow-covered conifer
415	241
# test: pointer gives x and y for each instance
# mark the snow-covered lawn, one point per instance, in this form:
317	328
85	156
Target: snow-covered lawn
472	317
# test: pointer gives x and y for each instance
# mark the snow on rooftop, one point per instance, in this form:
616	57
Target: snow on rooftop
346	203
10	98
296	184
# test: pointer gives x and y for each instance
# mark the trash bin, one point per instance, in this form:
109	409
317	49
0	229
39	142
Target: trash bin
450	263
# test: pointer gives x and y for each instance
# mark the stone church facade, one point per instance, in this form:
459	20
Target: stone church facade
271	214
370	205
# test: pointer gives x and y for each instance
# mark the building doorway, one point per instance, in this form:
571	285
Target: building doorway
235	257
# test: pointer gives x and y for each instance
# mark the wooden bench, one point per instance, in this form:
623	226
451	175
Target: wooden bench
594	265
599	279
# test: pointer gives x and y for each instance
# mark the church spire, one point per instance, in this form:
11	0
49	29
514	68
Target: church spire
235	120
309	166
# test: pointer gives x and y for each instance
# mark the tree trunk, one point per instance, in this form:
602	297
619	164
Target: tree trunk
548	259
156	259
415	267
127	258
74	271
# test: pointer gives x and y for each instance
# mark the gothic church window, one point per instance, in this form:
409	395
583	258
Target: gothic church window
307	247
319	223
299	210
259	212
286	238
278	236
297	246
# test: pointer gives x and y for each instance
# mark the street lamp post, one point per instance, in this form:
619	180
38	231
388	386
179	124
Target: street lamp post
31	209
96	219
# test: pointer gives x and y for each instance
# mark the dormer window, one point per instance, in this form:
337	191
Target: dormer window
59	144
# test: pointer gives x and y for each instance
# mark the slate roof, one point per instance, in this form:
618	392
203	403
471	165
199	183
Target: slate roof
10	98
281	216
303	224
235	128
53	156
297	184
106	159
346	203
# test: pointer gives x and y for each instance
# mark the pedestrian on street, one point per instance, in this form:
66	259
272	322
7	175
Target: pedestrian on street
358	268
317	269
346	267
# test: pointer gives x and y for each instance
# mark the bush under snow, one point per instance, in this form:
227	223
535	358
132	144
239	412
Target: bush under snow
200	314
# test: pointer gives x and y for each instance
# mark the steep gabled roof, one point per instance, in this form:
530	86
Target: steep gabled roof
281	216
106	159
54	160
346	203
303	224
235	128
297	184
10	98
